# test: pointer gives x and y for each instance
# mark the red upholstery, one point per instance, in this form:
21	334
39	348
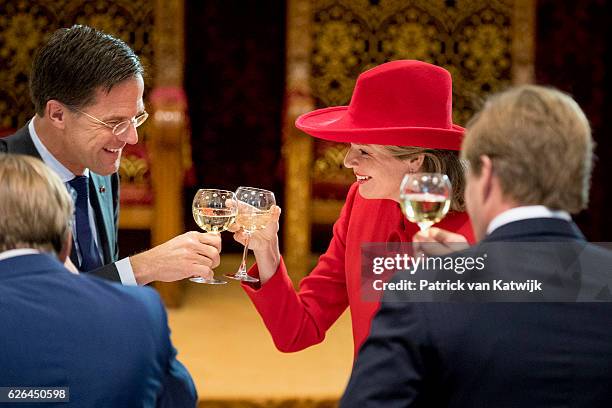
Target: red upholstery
6	131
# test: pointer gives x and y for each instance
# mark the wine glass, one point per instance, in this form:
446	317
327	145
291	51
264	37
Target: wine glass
425	198
213	210
254	213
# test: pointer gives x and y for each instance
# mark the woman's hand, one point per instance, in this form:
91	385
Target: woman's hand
438	242
264	243
260	239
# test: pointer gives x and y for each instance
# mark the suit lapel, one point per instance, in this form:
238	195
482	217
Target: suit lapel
101	202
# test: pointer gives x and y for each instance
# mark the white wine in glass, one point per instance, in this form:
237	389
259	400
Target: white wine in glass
425	198
254	213
214	219
214	211
254	220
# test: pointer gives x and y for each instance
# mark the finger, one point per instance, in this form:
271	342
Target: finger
201	270
206	255
240	237
276	210
437	234
441	235
210	238
420	237
234	227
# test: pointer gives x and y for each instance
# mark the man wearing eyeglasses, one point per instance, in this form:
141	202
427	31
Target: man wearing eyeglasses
87	89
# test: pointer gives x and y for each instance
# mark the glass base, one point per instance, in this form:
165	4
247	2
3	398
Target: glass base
241	277
212	281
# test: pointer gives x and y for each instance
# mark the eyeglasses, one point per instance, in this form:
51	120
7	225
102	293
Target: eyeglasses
122	126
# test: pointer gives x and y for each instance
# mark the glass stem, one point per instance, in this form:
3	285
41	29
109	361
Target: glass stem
424	226
242	271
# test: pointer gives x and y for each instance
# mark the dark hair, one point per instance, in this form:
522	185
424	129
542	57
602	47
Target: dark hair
77	61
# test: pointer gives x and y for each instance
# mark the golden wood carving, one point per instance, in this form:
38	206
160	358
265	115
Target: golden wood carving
523	42
297	147
169	132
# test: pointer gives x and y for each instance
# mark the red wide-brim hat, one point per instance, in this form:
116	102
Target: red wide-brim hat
402	103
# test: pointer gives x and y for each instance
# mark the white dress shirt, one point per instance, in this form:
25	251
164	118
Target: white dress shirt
525	213
124	267
11	253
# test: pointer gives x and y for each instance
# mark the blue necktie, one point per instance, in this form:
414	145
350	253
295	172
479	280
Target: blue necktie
90	258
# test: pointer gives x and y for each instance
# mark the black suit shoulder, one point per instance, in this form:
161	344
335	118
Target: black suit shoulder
21	143
502	354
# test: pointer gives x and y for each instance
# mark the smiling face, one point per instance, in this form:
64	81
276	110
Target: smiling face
90	144
378	173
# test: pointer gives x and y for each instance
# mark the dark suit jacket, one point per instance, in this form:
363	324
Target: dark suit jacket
491	354
109	343
104	201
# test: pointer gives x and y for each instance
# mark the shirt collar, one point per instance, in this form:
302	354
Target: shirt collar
11	253
525	213
50	160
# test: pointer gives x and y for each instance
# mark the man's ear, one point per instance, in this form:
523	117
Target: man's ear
55	112
64	252
415	163
486	176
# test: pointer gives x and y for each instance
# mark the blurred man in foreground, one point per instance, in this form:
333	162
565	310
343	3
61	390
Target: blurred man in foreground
109	344
529	155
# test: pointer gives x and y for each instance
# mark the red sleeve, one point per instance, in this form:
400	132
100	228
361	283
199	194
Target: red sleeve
299	320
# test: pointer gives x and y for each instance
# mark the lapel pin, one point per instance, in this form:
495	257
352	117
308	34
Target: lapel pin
102	189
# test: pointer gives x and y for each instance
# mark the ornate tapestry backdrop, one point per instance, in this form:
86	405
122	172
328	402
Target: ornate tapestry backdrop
25	24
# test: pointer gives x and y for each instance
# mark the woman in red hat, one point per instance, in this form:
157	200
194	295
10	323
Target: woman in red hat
398	122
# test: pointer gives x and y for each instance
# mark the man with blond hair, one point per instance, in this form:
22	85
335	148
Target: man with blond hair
60	329
529	158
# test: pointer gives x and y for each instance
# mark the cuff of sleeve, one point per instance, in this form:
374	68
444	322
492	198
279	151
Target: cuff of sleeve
126	274
280	278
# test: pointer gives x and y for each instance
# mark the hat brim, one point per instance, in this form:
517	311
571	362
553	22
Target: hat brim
331	124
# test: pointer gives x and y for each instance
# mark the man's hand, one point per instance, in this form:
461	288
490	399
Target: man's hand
438	242
190	254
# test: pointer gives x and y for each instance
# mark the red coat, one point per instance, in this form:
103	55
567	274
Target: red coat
299	320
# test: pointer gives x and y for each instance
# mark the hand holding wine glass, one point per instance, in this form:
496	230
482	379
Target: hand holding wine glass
425	198
255	213
438	242
214	211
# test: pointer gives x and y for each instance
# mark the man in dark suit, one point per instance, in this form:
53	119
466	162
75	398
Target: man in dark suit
108	344
87	88
529	155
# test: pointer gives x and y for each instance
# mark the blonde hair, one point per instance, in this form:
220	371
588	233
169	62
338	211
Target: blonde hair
540	144
36	207
437	161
